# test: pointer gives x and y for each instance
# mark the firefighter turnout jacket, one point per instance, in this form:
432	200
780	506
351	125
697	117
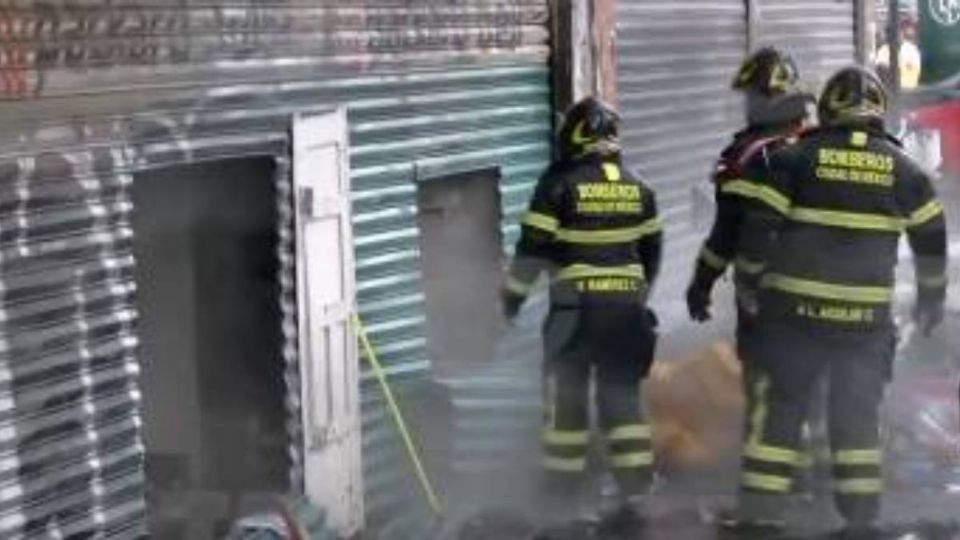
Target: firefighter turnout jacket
825	226
719	250
593	226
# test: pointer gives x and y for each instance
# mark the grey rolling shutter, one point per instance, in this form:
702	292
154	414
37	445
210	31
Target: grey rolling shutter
819	33
676	61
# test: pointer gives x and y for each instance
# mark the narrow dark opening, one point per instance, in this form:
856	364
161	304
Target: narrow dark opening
212	375
460	245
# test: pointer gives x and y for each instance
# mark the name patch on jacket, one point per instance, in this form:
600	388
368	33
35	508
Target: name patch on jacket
857	166
836	313
608	198
608	285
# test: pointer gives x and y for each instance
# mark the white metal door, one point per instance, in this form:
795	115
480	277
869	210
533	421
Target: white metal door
328	347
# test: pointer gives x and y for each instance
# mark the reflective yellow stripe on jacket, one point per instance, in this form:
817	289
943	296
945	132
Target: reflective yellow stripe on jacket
747	266
543	222
847	220
582	271
828	291
766	194
925	214
610	236
713	260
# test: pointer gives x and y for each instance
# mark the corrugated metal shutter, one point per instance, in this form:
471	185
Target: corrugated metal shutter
819	33
675	64
432	87
498	416
71	444
454	120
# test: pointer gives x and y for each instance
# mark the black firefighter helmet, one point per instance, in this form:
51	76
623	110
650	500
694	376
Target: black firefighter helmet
771	83
589	127
853	95
768	71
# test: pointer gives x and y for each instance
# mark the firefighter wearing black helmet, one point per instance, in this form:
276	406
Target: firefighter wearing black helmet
776	112
592	227
825	226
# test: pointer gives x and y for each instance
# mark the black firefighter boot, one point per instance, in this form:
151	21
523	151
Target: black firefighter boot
634	509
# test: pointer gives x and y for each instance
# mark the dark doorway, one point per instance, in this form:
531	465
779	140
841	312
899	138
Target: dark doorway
212	377
460	245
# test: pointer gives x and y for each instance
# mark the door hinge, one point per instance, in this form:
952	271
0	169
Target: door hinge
306	202
312	206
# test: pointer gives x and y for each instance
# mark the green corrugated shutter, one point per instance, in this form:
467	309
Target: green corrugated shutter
456	120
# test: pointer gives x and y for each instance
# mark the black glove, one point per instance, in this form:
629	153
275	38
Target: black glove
928	313
510	303
698	302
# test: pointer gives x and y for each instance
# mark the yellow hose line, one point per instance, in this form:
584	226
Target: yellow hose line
412	453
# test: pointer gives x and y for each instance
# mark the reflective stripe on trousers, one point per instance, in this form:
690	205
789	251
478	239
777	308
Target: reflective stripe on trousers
767	467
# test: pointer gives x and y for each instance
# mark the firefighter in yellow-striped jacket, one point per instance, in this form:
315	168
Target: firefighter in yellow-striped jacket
776	114
593	228
826	225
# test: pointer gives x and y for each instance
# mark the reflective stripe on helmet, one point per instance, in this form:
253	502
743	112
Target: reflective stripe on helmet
853	93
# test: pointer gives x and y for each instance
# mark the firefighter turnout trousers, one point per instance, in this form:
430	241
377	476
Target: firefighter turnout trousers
794	358
613	346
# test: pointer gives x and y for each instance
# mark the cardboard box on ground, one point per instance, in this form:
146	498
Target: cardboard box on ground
696	407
